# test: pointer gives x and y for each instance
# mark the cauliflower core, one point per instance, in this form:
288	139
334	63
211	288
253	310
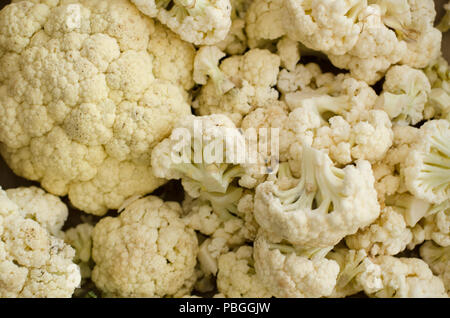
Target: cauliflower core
145	252
33	263
87	88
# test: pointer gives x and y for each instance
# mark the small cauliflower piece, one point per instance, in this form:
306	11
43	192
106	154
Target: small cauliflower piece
202	22
435	226
356	272
438	258
322	25
46	209
206	64
86	90
33	263
265	21
253	75
147	251
80	238
407	278
388	235
427	167
293	271
327	204
236	276
289	52
404	100
438	105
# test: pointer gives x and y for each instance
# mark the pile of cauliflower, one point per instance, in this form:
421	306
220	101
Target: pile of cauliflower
94	93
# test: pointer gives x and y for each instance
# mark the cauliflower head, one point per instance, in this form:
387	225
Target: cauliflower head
33	263
147	251
85	94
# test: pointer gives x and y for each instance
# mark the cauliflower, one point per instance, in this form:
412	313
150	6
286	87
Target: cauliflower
356	272
434	226
438	258
388	235
329	26
427	167
226	225
87	89
404	101
407	277
265	20
438	105
46	209
334	113
147	251
80	238
33	263
253	75
327	204
294	271
236	276
206	64
444	24
202	22
289	52
236	40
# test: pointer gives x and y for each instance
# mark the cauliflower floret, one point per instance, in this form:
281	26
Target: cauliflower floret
236	276
33	263
253	74
427	167
265	20
404	101
407	278
326	205
80	238
438	105
206	64
438	258
202	22
86	85
302	77
375	50
357	272
236	41
147	251
289	52
46	209
322	25
388	235
293	271
435	226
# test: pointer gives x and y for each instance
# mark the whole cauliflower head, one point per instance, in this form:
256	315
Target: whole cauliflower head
147	251
85	94
33	263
